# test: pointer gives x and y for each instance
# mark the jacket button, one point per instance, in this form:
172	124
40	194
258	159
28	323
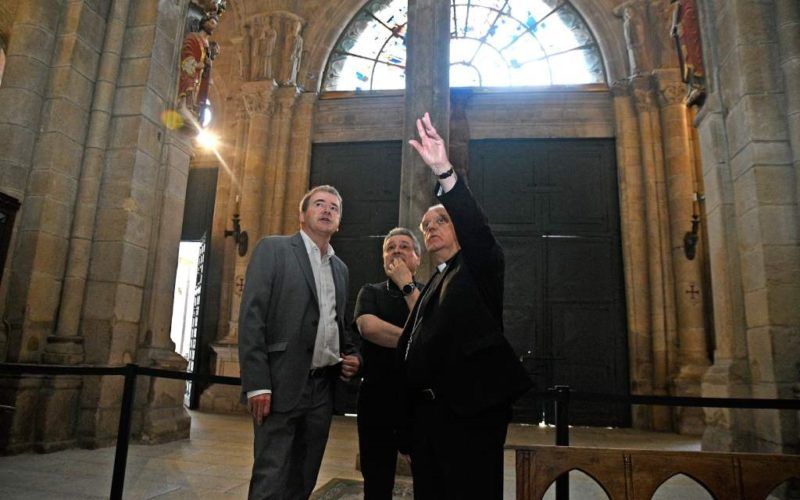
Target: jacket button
314	323
309	350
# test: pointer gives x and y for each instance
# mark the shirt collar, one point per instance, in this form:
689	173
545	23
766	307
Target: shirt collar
312	247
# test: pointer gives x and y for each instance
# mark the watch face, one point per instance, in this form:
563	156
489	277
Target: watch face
408	288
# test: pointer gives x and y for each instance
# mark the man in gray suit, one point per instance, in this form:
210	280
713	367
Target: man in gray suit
292	345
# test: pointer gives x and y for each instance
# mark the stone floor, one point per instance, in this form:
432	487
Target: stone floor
215	463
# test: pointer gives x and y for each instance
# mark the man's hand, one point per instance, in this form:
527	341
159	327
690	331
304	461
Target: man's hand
398	272
350	365
259	407
431	146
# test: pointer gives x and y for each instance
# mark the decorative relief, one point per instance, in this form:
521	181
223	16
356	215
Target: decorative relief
255	101
621	88
686	34
643	94
271	47
672	93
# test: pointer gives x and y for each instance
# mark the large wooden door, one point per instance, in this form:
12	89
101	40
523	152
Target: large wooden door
553	206
367	176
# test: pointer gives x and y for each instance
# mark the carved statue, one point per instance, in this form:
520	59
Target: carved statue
195	65
686	33
634	29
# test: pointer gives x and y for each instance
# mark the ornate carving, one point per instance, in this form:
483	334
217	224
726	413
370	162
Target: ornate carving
621	88
672	93
255	100
643	94
271	48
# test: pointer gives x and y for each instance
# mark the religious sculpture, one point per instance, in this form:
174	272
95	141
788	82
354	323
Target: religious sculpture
634	30
685	31
197	54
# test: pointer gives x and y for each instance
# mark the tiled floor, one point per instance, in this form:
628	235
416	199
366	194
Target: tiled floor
215	462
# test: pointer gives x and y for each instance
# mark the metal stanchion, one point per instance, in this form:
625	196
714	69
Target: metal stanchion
562	435
124	431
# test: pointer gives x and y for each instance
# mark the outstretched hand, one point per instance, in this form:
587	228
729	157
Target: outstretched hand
431	146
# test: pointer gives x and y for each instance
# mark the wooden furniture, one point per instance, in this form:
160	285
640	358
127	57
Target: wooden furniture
636	474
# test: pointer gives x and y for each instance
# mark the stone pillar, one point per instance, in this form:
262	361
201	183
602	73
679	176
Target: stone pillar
688	274
116	317
299	160
252	147
634	232
427	89
787	15
163	415
61	395
278	146
729	376
763	189
661	315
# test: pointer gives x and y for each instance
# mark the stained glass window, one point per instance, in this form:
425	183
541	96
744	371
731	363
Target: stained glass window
493	43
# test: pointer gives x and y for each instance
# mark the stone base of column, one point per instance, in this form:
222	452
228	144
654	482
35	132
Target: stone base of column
58	413
220	398
163	416
689	421
19	397
63	351
727	429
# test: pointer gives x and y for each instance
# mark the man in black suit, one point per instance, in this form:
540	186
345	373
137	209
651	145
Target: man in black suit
459	373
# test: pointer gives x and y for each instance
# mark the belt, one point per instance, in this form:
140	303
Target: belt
319	372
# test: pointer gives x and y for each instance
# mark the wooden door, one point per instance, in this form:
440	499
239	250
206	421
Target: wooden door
367	175
553	206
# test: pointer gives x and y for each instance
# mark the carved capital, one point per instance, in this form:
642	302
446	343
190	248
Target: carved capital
643	94
672	93
621	88
255	100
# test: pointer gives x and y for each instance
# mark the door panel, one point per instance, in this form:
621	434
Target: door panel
553	206
367	175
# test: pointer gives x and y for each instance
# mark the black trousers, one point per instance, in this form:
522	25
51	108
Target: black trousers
377	443
457	457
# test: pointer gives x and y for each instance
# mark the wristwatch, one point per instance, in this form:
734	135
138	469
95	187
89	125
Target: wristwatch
408	288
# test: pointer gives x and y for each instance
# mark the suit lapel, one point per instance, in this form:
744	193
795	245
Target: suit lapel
301	253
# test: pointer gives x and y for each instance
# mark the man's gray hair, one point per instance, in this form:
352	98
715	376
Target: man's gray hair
404	232
328	189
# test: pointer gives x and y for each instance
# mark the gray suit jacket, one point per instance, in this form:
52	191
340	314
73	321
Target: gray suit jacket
278	319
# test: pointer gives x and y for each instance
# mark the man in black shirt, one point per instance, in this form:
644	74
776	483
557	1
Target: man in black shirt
381	311
459	374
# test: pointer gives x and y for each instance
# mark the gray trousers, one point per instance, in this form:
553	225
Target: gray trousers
288	446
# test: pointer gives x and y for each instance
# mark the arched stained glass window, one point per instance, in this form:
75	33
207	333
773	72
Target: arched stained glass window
493	43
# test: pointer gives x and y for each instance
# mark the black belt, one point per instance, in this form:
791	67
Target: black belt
320	372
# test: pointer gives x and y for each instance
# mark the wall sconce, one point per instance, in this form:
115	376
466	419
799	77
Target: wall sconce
691	237
239	236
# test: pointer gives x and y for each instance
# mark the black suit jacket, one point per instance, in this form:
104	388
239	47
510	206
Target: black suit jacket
459	349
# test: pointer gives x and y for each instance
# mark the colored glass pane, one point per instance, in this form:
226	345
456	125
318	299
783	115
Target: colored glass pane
493	43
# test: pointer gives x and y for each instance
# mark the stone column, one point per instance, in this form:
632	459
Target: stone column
763	189
163	415
688	274
278	146
299	161
427	89
661	321
253	138
787	15
634	232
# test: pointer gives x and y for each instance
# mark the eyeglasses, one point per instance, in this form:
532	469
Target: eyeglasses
440	220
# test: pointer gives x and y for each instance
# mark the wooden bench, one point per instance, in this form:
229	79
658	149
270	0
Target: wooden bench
636	474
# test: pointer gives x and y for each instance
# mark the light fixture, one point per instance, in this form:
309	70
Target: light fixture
207	140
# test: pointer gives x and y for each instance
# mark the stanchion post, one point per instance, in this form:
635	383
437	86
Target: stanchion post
562	435
124	431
